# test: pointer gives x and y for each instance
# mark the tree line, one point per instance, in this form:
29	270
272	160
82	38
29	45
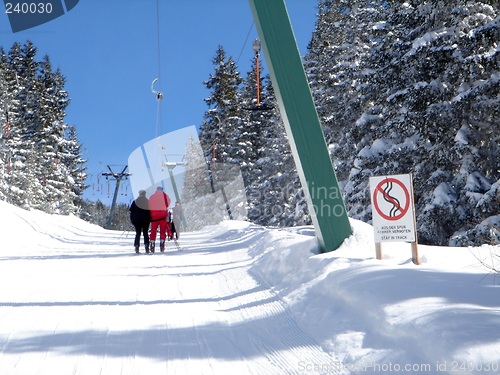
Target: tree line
414	87
400	87
41	163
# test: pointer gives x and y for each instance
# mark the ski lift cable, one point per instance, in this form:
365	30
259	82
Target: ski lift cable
158	40
260	106
157	82
245	42
158	93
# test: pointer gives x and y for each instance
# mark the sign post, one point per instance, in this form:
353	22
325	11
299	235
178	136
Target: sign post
393	212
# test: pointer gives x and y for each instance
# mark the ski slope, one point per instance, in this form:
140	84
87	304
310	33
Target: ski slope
238	299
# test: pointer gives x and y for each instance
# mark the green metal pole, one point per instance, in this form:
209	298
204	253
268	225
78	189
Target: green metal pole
302	123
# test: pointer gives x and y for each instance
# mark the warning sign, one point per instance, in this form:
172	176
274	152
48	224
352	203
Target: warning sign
392	208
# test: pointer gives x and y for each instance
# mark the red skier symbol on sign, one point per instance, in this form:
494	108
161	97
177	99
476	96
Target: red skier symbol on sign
396	196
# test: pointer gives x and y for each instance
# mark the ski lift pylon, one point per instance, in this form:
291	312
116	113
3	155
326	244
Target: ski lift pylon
258	106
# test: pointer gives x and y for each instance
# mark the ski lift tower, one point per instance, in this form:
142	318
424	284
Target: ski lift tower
118	177
170	166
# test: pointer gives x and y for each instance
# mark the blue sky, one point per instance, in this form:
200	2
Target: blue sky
108	51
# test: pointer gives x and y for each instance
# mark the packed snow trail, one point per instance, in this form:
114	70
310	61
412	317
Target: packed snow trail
239	299
89	305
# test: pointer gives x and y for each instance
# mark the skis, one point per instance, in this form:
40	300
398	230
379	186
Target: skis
156	251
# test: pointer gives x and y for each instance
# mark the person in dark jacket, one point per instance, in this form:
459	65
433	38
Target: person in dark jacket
140	216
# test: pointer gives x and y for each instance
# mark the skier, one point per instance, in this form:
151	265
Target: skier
158	204
178	219
140	217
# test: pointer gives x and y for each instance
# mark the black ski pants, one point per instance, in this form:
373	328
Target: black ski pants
141	227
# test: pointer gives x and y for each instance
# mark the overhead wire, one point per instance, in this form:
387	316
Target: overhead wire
159	94
245	42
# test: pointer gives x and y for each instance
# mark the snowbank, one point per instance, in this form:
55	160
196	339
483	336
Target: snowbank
370	314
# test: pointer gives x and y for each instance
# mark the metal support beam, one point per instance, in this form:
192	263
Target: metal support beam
118	177
302	123
171	165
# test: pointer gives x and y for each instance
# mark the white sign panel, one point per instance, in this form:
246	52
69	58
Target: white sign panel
392	208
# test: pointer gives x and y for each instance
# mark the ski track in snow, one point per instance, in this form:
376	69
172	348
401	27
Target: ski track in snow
90	306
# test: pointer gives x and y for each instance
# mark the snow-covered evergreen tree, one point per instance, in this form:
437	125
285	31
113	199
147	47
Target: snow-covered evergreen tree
255	116
274	192
413	87
72	170
223	114
245	129
345	34
42	166
19	76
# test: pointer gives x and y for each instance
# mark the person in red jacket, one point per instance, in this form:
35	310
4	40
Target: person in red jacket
158	206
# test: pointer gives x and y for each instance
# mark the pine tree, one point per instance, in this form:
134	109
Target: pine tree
274	192
41	156
421	97
255	119
48	136
19	78
218	133
451	97
5	99
73	171
223	115
249	133
346	32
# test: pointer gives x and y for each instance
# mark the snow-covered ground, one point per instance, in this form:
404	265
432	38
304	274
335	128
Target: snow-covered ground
239	299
